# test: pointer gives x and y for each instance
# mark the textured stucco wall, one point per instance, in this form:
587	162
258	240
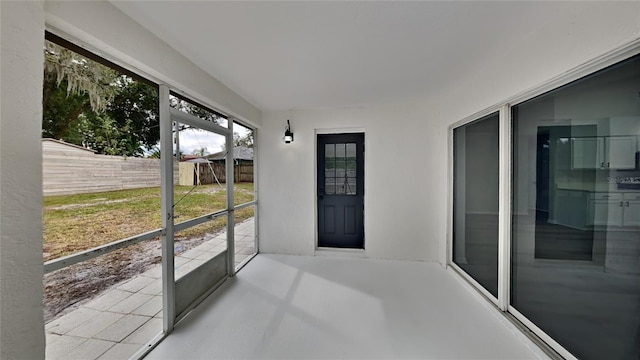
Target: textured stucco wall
21	57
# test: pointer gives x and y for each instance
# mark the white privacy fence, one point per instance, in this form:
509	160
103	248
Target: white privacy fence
70	169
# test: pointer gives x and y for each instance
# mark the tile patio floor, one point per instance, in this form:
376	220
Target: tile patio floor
122	319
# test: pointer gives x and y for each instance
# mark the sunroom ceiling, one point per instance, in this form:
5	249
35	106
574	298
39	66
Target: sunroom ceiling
293	55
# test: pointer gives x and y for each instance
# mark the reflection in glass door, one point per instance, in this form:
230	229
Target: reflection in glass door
475	234
576	190
573	257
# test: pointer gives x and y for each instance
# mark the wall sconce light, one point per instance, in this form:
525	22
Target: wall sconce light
288	135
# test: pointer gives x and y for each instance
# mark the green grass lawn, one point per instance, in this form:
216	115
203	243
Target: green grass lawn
74	223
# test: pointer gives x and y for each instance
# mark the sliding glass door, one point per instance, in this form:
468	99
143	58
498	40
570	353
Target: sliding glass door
475	229
570	254
576	196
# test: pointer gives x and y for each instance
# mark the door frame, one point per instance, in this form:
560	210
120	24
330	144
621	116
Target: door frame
326	250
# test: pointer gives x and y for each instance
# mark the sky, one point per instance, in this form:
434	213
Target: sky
192	140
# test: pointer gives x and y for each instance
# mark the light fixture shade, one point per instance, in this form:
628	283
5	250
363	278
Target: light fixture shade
288	134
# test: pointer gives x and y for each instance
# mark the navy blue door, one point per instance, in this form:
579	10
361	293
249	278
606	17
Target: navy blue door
341	190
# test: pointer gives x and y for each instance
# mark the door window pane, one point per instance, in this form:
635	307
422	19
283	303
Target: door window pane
330	186
475	235
351	151
329	151
351	168
340	169
351	186
330	171
576	200
340	151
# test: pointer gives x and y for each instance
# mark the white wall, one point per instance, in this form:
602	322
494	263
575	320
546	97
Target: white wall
113	35
573	35
21	55
406	212
401	170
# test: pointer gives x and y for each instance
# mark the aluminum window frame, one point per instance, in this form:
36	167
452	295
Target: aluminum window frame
503	302
254	202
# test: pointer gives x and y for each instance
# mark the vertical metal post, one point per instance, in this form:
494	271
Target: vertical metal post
177	139
446	256
166	185
256	163
459	252
504	220
231	266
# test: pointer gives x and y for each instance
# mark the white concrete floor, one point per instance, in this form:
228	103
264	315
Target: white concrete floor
299	307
